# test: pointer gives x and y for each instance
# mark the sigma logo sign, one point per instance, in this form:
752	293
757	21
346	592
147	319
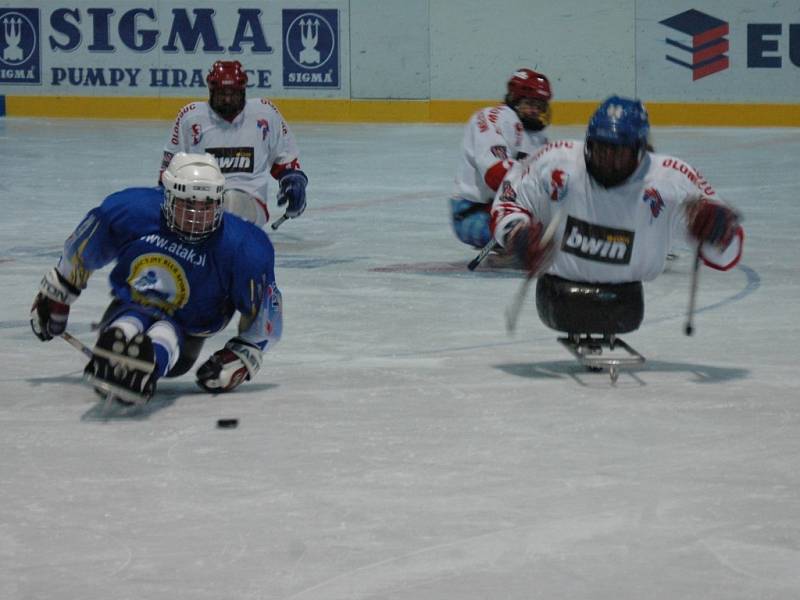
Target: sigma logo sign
310	48
697	42
19	46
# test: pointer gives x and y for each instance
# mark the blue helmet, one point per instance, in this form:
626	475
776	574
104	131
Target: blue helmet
620	121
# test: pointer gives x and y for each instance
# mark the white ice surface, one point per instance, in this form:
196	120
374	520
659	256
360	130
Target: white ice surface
397	444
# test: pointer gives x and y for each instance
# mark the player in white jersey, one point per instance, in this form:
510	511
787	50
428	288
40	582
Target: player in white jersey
620	207
494	139
250	140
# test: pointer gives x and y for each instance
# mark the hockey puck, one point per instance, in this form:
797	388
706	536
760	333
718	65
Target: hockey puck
227	423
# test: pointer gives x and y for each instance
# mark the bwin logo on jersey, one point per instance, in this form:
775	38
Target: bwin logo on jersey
19	46
310	48
234	160
597	243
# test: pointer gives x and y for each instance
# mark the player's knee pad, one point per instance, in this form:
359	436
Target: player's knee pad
166	341
601	308
470	221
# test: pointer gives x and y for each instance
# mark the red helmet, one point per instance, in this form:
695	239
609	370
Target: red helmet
226	73
526	83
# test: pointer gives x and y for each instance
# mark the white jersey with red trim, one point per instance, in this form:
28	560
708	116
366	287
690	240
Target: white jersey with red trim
607	235
669	167
494	139
256	144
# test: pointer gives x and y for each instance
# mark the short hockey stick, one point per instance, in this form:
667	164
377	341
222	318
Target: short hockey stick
688	329
279	222
514	309
128	361
485	251
77	344
512	312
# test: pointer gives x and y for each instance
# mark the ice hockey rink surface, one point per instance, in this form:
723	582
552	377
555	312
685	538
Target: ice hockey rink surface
398	444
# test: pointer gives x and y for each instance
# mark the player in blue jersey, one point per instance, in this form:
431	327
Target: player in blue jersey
183	268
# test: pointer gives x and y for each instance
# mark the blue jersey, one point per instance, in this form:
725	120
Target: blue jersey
197	286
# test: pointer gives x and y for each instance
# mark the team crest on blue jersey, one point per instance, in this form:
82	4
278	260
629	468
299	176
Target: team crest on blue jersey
20	57
311	48
157	280
653	198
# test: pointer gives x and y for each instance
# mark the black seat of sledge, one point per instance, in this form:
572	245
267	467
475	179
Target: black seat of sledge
589	308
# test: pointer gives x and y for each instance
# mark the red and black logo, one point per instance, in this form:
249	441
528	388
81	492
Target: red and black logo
653	198
697	42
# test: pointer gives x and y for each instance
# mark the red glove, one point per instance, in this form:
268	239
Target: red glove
525	241
712	222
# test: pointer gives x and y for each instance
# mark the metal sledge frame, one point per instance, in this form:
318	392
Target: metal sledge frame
117	392
107	388
588	350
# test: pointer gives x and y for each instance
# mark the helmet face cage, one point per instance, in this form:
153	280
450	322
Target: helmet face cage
226	88
192	220
193	186
535	114
616	140
529	94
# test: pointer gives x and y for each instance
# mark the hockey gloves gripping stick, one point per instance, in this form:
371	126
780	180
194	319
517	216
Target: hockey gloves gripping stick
50	308
228	368
292	192
534	252
709	222
712	222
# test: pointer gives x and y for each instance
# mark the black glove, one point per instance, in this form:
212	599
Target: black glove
712	222
226	369
292	190
50	309
525	241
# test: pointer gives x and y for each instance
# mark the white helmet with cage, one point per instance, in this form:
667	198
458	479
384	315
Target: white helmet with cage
193	185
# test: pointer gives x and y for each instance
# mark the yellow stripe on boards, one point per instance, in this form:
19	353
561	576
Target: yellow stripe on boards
402	111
